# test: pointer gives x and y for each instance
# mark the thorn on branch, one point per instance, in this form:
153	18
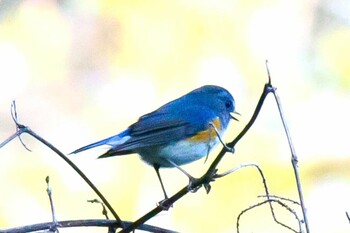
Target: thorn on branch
14	112
104	210
205	180
19	127
268	72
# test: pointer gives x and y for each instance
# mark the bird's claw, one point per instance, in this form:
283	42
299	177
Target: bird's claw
165	204
192	186
212	177
207	187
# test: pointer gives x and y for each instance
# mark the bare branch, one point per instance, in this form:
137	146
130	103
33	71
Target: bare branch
280	198
294	159
9	139
18	126
268	72
104	210
83	223
54	225
24	129
270	201
267	194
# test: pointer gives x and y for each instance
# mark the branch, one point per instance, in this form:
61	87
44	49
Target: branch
54	225
104	210
294	158
267	194
82	223
270	201
281	198
24	129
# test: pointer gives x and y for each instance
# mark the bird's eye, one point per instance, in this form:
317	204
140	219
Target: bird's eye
228	104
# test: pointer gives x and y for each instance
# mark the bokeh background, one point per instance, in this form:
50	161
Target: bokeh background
84	70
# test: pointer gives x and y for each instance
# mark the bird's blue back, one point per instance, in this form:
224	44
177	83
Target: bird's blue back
177	120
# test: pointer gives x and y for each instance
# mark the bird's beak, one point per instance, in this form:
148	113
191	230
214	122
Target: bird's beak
234	118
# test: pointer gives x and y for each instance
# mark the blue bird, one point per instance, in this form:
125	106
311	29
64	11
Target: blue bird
179	132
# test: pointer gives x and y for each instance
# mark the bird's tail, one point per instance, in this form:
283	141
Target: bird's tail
110	141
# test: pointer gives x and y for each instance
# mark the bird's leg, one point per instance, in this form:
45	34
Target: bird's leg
162	203
191	178
209	147
229	149
156	167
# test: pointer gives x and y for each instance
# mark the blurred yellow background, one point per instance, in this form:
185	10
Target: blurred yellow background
81	71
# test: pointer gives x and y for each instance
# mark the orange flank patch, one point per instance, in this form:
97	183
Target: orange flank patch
208	134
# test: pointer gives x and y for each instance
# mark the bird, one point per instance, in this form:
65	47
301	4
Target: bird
179	132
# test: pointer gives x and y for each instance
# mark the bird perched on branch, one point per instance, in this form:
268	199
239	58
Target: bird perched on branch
179	132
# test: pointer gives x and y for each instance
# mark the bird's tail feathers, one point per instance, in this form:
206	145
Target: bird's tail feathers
110	141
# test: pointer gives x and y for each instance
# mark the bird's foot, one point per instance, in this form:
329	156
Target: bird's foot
165	204
193	185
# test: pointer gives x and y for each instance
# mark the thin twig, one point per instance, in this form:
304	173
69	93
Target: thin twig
20	128
82	175
18	125
294	158
270	201
104	210
238	168
9	139
49	193
267	194
280	198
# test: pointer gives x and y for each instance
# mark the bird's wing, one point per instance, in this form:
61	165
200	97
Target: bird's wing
159	128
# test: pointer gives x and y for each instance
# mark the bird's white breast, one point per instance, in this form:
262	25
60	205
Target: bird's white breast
181	152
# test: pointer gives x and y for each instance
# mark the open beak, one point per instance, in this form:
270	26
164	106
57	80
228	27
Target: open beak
234	118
